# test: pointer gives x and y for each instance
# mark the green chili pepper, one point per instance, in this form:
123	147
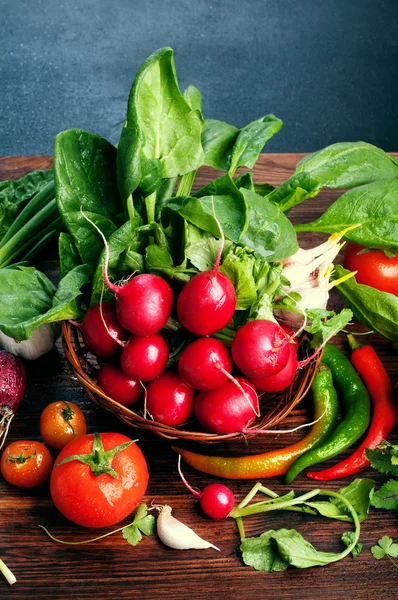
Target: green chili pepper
276	462
356	406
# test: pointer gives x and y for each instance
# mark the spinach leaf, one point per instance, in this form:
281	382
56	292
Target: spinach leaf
68	255
193	97
251	140
226	147
158	260
128	163
348	164
201	248
85	179
262	553
373	206
29	299
377	310
218	139
293	191
246	218
169	130
269	232
15	194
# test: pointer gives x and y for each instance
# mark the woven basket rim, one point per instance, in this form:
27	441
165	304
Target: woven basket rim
76	353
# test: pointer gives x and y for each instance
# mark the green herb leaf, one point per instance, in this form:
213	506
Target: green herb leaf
374	207
348	164
323	330
387	496
381	460
143	523
384	547
347	538
377	310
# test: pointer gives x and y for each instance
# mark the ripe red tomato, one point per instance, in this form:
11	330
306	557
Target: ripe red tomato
61	422
99	479
26	464
374	268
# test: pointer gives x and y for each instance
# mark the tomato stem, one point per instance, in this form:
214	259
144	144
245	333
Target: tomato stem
99	460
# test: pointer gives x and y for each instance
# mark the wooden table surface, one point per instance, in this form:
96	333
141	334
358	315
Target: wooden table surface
111	569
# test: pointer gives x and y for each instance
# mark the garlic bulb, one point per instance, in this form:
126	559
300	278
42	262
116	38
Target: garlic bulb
41	341
176	535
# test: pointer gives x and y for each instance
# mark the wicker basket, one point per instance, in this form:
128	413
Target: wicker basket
85	367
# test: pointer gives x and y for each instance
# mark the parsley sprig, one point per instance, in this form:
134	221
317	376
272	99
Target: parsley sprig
385	548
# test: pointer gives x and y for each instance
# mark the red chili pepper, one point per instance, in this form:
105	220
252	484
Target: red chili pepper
371	370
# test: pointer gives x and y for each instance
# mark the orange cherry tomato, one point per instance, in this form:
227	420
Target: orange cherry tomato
374	267
61	422
26	464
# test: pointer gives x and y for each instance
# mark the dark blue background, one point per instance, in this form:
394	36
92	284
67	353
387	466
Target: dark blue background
328	68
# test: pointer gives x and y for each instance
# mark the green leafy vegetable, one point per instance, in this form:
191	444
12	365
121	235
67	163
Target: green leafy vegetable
384	458
377	310
387	496
15	194
29	299
373	206
359	493
323	330
347	539
348	164
85	178
385	548
226	147
262	553
293	191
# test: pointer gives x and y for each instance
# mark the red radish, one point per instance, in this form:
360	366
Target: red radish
203	364
281	380
118	386
216	500
12	389
260	348
207	302
143	304
144	358
169	399
228	409
101	330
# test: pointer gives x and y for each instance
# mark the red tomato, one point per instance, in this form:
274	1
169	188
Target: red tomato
110	495
60	422
26	464
374	268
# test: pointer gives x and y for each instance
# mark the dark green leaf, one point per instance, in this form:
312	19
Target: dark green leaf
348	164
85	178
218	139
169	129
158	260
377	310
387	496
245	181
263	188
29	299
359	493
373	206
128	162
68	255
294	190
251	140
382	461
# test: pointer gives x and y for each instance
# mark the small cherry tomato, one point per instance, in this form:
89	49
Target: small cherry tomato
26	464
61	422
99	479
374	267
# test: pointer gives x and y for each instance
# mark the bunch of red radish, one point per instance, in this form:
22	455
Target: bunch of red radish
203	385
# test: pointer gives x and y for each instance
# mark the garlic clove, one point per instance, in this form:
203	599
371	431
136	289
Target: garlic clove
175	534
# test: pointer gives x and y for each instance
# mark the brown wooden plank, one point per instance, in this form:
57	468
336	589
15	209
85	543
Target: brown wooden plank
112	569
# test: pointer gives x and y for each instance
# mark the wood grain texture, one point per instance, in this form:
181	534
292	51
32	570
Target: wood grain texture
110	569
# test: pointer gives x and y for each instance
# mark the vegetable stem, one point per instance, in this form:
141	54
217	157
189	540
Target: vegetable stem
150	203
7	573
185	184
267	506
